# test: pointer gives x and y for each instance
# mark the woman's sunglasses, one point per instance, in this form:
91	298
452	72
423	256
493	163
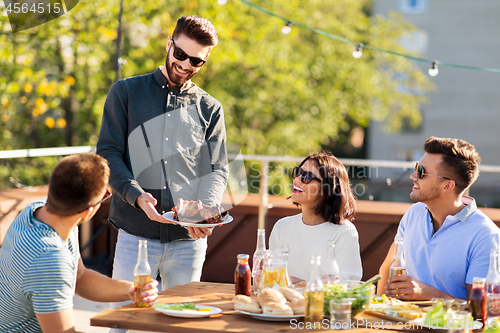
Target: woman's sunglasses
305	176
181	55
421	172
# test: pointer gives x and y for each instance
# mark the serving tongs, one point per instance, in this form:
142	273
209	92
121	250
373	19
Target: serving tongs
370	280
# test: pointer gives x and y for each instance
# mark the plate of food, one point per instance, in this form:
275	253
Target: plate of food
267	317
272	304
439	317
193	213
186	310
170	216
435	325
394	309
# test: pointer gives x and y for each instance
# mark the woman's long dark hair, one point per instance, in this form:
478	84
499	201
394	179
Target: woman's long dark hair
337	202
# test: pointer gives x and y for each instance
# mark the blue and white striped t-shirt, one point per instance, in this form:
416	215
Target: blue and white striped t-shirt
37	272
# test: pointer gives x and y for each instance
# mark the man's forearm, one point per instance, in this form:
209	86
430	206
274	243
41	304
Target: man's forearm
431	292
97	287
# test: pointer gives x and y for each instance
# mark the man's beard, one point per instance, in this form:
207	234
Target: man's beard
423	196
174	77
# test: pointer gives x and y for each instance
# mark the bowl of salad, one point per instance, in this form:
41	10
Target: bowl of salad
360	294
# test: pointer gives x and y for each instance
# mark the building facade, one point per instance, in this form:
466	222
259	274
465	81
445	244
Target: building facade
465	104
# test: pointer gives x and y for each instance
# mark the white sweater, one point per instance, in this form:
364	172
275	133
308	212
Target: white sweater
305	241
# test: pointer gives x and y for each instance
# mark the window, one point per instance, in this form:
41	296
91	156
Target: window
413	6
416	41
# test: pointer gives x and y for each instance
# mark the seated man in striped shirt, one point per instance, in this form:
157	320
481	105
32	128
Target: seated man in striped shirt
40	264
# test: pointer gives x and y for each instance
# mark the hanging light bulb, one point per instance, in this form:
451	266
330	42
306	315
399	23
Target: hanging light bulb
433	70
358	52
287	28
221	2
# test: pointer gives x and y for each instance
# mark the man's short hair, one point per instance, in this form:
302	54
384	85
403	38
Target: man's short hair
76	183
196	28
460	160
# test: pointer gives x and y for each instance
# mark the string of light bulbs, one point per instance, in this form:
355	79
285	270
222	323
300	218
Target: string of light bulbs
358	51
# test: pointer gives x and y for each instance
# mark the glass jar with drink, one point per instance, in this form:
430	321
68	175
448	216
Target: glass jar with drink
242	276
477	300
275	274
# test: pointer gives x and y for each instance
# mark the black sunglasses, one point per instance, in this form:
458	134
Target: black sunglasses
106	196
305	176
181	55
421	172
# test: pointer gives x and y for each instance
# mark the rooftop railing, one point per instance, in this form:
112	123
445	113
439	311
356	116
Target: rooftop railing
263	159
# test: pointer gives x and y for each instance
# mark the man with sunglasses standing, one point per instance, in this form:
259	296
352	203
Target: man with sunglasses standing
446	239
40	265
164	139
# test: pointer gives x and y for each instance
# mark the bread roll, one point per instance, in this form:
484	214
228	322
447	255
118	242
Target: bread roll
298	306
290	294
301	284
269	295
245	303
277	309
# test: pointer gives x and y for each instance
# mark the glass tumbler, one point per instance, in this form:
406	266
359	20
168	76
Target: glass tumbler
340	313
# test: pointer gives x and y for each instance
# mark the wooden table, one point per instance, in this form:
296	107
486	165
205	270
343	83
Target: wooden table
219	295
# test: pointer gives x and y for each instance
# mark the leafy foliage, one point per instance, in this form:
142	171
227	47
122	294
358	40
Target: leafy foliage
282	94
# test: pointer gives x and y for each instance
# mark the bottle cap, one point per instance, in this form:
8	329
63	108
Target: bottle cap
243	256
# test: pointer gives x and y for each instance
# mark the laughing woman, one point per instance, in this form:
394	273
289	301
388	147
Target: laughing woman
321	188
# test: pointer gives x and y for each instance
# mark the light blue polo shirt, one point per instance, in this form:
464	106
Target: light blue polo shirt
456	253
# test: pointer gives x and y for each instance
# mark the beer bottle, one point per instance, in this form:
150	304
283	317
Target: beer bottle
315	303
258	259
142	273
398	264
330	270
492	285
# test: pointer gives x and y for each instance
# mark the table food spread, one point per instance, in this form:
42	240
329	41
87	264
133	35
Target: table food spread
214	296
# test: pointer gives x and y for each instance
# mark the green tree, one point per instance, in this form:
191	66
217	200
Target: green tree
295	93
282	94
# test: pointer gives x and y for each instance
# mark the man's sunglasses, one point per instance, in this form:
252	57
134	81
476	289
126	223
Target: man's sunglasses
305	176
181	55
106	196
421	172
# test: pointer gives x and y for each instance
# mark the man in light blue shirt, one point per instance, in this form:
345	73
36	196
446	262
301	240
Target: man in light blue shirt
446	239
